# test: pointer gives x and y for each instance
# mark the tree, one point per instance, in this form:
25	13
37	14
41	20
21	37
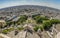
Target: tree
39	19
20	28
36	28
55	21
47	24
22	19
39	27
5	31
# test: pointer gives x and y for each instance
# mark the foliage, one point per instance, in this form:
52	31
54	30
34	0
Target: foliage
39	19
35	15
10	29
22	19
38	27
9	23
55	21
47	24
20	28
41	27
7	30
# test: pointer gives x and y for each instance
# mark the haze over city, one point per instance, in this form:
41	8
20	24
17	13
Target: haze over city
49	3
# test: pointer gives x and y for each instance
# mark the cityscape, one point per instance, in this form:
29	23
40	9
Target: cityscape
29	21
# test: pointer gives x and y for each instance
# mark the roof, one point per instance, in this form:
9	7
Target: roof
32	35
4	36
2	20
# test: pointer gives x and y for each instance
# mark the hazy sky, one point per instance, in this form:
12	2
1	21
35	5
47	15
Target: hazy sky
49	3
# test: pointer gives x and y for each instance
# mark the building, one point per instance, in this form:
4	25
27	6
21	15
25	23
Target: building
58	35
3	36
2	23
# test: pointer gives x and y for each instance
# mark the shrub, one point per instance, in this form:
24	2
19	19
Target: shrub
38	27
55	21
20	28
22	19
41	27
9	23
47	24
10	29
39	19
5	31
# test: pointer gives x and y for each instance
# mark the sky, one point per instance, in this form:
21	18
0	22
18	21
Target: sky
49	3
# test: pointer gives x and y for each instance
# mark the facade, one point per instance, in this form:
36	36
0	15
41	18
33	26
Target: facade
2	23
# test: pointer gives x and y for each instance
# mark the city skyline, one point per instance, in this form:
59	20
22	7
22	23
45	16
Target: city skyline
49	3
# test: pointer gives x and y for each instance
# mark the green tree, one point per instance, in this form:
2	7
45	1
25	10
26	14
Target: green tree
22	19
55	21
20	28
39	19
47	24
38	27
5	31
